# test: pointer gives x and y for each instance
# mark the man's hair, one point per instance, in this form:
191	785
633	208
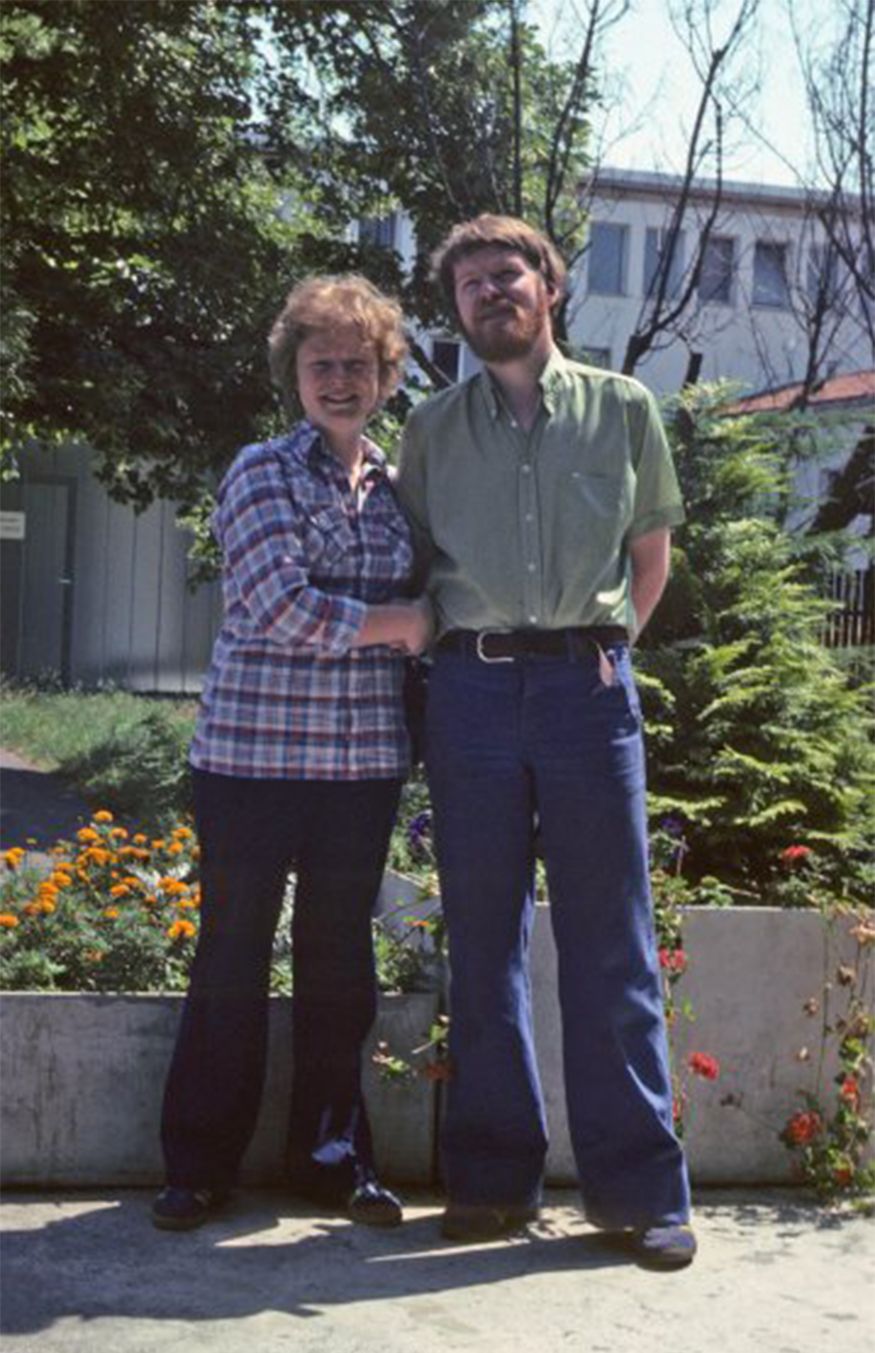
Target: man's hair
322	305
505	232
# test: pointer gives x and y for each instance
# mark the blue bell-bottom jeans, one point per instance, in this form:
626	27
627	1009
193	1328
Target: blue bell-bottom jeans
252	832
550	746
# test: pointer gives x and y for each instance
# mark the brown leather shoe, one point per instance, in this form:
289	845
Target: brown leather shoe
477	1222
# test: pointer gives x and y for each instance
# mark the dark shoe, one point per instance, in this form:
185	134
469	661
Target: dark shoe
669	1246
177	1209
372	1205
473	1222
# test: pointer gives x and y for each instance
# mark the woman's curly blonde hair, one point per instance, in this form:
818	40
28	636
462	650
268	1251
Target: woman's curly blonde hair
327	303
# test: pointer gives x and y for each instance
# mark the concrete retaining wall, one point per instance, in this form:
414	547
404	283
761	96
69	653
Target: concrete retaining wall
82	1075
751	970
81	1080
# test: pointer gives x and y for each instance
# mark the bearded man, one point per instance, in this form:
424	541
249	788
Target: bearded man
542	495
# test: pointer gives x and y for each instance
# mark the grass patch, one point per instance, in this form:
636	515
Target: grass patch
121	751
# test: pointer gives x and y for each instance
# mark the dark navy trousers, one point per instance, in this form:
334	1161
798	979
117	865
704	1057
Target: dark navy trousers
550	745
251	833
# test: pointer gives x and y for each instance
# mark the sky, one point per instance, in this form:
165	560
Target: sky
659	88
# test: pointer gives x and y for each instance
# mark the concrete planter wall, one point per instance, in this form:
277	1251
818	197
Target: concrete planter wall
751	970
82	1079
82	1075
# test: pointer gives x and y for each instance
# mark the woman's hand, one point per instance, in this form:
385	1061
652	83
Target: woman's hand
404	625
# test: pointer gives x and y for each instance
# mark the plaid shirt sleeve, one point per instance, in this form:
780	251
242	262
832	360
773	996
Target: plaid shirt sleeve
258	527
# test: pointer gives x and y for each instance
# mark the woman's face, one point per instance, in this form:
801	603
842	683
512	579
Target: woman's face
338	382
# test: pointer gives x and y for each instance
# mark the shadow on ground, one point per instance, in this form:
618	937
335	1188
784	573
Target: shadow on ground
263	1254
36	806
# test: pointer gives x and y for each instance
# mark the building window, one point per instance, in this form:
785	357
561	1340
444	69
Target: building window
718	270
770	274
446	353
596	357
378	231
608	249
656	243
822	280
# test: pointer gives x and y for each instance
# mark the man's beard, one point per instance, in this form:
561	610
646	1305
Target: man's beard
514	338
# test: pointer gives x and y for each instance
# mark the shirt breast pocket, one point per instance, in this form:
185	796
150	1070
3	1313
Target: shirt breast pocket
328	538
604	496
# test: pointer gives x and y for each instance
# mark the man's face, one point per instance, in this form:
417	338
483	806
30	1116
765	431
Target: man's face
503	303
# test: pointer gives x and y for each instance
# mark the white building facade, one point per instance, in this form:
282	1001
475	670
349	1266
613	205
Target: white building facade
751	311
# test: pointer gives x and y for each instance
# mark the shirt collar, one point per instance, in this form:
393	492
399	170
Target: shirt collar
550	380
305	446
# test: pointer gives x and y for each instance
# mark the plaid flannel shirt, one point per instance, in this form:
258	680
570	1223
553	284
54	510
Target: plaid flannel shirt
286	697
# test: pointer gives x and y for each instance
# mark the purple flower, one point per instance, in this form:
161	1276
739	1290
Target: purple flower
418	828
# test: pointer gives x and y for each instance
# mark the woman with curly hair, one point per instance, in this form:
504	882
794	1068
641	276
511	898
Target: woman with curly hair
298	758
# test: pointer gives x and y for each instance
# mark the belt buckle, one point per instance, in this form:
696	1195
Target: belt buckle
478	648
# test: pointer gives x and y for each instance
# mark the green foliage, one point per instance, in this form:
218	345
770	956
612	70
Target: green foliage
144	252
829	1137
490	122
758	741
171	167
124	752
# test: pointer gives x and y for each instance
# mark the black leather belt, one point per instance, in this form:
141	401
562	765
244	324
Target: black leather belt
506	645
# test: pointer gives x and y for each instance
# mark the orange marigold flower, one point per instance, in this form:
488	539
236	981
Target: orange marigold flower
172	886
47	889
8	920
186	902
87	834
181	930
175	848
60	880
46	905
183	833
159	844
12	858
111	913
139	839
119	890
103	815
120	833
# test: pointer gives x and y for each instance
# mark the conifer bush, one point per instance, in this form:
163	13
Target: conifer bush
757	739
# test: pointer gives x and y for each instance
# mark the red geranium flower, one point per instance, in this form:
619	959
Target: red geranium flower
673	960
795	854
704	1065
849	1091
802	1128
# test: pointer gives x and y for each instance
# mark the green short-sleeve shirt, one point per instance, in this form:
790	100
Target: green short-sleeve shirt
518	529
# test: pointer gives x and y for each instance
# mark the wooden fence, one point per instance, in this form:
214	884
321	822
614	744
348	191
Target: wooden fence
852	624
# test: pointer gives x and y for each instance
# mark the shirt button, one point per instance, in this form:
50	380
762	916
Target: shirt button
530	516
533	620
532	568
527	469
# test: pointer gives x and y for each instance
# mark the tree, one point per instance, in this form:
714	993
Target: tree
667	307
144	256
756	738
448	108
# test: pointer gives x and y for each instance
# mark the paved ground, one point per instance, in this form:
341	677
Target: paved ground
86	1273
35	804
